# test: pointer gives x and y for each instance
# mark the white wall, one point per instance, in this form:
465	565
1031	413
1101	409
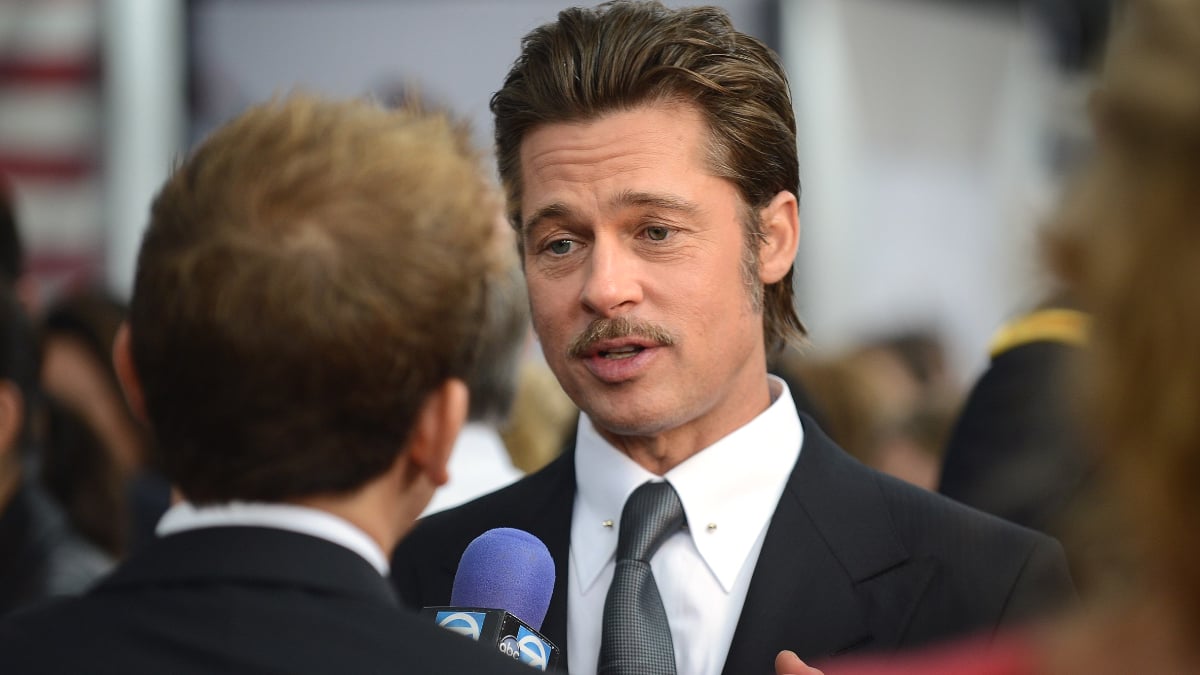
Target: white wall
458	51
919	133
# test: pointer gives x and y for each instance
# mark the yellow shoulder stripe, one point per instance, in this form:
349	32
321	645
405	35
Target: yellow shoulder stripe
1068	326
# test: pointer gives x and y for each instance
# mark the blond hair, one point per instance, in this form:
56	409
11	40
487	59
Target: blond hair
309	275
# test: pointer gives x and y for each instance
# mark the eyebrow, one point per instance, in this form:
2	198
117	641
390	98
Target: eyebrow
658	201
555	210
623	198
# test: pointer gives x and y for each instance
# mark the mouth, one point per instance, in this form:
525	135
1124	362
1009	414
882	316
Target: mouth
620	360
619	353
618	349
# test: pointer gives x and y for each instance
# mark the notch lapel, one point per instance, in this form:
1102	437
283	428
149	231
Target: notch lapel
833	576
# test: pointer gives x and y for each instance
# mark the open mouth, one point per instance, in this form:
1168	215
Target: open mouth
628	351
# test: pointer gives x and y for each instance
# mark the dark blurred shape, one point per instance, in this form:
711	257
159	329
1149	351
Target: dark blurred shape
1016	451
42	556
12	253
78	472
1074	30
98	460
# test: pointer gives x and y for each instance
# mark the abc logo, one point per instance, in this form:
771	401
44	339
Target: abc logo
532	649
510	647
463	623
526	648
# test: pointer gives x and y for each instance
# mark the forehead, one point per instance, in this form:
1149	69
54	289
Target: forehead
654	148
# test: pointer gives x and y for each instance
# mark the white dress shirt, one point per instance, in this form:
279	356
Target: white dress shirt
314	522
729	492
479	464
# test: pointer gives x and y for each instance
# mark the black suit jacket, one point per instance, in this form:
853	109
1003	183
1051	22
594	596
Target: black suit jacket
853	560
1016	450
238	600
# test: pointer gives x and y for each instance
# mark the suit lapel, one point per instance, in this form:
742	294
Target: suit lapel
552	524
833	576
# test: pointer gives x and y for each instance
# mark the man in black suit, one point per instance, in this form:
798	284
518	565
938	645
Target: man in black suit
649	158
1016	450
290	345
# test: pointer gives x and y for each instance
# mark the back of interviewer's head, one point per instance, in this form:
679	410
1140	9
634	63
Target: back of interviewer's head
310	274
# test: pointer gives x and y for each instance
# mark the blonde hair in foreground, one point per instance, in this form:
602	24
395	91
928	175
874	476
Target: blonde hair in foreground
1128	240
309	275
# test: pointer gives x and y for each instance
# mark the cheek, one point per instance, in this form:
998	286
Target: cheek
547	314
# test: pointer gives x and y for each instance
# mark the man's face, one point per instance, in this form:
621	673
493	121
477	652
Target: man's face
633	259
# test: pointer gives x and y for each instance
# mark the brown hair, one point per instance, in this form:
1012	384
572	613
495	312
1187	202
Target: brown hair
1128	240
309	275
624	54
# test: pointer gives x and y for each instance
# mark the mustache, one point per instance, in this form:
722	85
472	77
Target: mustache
600	330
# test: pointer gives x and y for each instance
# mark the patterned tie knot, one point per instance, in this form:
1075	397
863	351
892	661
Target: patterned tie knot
650	515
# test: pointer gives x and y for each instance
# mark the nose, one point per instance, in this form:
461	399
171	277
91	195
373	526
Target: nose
611	286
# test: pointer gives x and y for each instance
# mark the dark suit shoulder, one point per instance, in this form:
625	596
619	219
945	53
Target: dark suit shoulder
222	627
921	513
1000	572
957	569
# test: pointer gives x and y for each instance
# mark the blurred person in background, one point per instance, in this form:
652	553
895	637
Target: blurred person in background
305	310
1127	243
1017	449
77	335
12	252
888	402
97	459
41	555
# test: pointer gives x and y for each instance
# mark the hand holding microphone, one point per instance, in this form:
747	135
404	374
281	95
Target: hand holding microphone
500	595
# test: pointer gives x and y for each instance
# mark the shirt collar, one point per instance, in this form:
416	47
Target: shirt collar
725	517
305	520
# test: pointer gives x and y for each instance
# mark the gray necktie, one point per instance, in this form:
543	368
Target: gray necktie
636	639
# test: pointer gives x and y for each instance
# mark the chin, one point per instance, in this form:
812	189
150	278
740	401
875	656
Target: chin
640	423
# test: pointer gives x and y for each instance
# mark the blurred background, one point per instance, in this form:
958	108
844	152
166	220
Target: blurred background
934	138
932	133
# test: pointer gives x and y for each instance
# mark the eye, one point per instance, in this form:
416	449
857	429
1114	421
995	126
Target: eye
657	233
560	246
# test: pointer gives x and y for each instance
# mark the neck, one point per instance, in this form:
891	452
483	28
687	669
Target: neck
363	510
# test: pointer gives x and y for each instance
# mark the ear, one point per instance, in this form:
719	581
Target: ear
781	237
127	374
437	425
12	417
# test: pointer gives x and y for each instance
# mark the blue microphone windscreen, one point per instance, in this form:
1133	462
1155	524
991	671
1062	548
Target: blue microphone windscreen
506	569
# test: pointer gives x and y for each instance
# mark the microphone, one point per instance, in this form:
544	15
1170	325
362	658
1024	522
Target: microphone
500	596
